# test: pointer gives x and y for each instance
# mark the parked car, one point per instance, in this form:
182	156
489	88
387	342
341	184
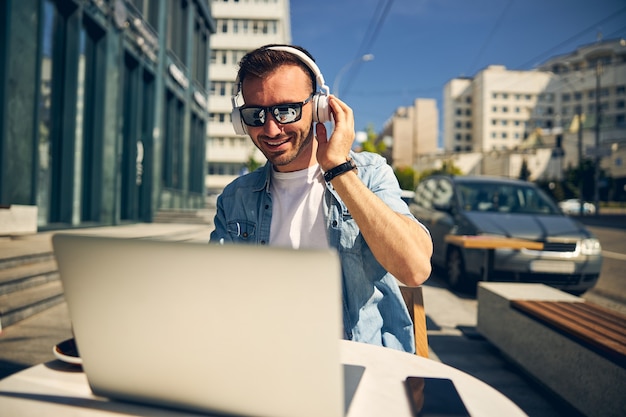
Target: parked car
503	208
572	206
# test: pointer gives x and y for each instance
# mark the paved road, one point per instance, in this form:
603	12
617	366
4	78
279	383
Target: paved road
610	291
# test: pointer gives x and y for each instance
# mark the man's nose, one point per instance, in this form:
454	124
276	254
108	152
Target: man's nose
271	126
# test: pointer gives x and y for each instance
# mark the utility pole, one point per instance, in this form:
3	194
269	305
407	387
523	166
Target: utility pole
581	198
596	177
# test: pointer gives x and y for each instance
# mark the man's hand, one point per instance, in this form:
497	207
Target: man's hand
334	151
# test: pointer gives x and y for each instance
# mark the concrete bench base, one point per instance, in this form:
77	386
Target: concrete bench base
590	383
18	220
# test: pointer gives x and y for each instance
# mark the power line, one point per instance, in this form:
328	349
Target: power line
491	35
377	21
552	50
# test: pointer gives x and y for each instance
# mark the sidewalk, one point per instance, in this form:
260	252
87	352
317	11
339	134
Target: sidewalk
451	325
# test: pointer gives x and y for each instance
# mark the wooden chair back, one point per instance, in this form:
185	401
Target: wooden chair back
414	301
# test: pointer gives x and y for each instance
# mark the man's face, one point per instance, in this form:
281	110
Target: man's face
289	147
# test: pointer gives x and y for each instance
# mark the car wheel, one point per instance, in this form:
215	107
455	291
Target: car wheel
455	268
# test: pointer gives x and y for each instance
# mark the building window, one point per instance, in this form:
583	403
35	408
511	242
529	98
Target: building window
173	141
177	28
149	9
196	154
201	47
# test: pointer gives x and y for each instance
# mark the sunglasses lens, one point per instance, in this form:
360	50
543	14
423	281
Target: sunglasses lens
253	116
283	113
287	113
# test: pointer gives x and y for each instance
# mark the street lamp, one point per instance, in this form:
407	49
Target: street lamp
364	58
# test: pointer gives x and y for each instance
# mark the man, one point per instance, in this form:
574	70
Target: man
355	208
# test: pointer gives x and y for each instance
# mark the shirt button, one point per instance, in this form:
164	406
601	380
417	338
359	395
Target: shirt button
262	242
267	206
334	223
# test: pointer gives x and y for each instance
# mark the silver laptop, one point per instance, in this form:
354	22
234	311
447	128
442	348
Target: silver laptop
243	330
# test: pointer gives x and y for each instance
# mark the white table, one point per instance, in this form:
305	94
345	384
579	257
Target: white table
58	389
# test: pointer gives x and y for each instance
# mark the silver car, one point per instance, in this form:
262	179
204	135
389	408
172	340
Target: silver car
528	238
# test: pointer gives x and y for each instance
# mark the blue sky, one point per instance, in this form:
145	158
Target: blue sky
422	44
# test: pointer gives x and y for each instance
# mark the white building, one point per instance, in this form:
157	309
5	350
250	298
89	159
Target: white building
411	132
500	117
491	110
589	83
242	25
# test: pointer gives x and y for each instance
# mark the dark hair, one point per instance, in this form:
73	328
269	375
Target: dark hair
262	61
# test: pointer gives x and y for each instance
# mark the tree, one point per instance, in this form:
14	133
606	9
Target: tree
370	145
447	168
406	177
524	172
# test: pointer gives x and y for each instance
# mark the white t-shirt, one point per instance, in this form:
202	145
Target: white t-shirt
297	209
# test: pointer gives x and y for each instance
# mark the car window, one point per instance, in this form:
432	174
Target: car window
434	192
504	198
443	193
424	193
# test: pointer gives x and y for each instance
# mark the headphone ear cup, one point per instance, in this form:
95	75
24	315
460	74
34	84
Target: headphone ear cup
238	124
235	115
321	110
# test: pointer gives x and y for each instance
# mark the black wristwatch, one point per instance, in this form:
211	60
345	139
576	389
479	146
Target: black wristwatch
338	170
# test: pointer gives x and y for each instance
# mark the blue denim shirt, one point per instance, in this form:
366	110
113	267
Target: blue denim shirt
373	309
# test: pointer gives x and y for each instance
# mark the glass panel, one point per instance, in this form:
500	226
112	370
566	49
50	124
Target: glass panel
80	111
45	120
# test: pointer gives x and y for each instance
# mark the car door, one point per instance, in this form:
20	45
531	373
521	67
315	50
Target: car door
433	207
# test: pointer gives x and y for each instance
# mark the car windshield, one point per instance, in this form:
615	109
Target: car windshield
504	198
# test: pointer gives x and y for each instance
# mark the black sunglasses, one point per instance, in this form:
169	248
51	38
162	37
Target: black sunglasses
283	113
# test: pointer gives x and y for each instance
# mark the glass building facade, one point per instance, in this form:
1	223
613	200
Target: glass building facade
103	108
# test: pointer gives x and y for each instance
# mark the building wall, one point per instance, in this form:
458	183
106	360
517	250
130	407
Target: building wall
241	27
458	111
104	108
411	131
531	109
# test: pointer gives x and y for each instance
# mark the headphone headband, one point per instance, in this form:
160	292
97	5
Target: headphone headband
321	111
307	61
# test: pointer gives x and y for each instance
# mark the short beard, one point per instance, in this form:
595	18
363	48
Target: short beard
305	144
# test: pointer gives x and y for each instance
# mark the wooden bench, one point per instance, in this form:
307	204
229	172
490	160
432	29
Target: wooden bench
600	329
574	349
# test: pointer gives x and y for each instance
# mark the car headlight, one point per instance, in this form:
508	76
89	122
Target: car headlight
590	247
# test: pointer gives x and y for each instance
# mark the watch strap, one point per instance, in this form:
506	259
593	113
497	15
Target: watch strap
338	170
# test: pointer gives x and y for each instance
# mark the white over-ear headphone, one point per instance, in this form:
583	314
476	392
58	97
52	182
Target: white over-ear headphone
321	111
